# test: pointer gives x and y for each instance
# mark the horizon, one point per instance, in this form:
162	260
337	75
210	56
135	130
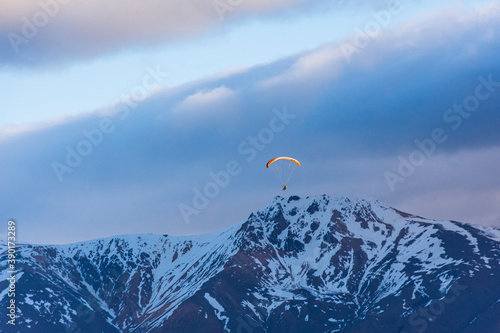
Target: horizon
231	226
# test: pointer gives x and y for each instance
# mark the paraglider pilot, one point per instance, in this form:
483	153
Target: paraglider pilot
282	176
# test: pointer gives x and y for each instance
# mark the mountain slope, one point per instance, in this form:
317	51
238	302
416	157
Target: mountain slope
316	264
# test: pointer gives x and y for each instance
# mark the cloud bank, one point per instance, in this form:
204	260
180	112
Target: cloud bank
49	32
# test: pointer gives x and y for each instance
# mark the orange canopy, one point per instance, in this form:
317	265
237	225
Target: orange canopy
282	158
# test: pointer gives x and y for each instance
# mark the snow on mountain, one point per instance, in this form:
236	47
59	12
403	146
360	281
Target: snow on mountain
315	264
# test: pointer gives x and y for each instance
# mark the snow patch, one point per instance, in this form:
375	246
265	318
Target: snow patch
219	309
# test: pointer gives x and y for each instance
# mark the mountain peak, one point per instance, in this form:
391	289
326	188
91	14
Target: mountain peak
324	210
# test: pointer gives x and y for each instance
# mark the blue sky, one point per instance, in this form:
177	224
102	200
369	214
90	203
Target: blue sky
111	128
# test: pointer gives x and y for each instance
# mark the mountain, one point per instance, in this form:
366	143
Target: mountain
315	264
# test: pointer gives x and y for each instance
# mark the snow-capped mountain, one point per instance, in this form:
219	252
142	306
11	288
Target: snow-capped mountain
316	264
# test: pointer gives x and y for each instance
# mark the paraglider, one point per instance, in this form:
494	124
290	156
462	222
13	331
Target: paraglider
283	167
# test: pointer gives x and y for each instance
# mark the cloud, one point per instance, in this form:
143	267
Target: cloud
49	32
324	64
348	125
204	101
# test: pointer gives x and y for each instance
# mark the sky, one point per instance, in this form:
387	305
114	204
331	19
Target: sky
159	116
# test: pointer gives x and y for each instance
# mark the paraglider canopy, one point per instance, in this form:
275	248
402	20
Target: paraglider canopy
282	158
283	167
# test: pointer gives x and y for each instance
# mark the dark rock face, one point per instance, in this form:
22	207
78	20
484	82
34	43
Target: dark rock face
315	264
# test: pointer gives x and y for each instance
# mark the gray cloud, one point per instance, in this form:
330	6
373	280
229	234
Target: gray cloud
349	123
50	32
